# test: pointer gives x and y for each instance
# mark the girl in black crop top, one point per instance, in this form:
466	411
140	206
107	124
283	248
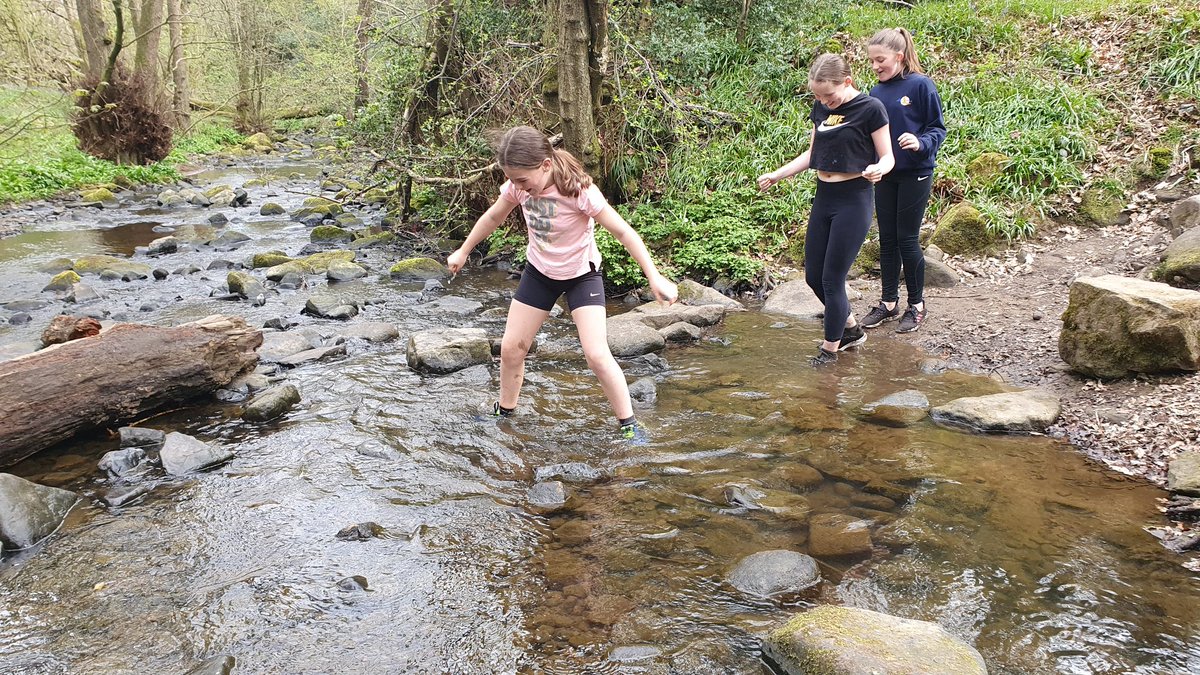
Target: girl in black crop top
850	149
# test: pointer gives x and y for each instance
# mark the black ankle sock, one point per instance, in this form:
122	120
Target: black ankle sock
504	412
627	421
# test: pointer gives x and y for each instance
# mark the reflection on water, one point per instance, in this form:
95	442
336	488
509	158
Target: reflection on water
1014	544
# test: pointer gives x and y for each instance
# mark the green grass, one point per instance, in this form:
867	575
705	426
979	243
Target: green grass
40	159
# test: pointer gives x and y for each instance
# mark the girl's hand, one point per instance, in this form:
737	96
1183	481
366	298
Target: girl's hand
909	142
456	261
766	180
872	173
664	289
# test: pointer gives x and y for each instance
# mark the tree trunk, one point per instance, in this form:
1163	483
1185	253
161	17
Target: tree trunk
423	101
148	22
181	96
245	36
581	45
741	27
93	31
116	377
361	37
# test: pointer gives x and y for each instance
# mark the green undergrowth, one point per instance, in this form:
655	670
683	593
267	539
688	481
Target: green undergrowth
39	158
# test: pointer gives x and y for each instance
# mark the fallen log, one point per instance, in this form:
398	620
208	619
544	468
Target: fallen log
118	376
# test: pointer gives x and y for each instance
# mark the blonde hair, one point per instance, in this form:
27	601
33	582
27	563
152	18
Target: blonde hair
900	41
526	148
829	68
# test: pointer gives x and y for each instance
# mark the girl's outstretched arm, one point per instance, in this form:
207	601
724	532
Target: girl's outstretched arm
661	286
487	224
790	169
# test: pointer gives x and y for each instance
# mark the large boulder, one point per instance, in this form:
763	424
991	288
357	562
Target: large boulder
849	641
770	573
446	350
657	315
30	512
692	293
1009	412
101	264
962	231
1181	259
1115	326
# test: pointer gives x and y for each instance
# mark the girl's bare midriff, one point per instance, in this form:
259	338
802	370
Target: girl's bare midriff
836	177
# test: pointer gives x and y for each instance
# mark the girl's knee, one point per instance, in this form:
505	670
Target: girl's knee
513	350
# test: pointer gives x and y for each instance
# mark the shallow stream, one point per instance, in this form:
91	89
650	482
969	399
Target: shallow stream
1017	545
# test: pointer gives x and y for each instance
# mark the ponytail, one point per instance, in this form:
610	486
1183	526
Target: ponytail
568	174
900	41
526	148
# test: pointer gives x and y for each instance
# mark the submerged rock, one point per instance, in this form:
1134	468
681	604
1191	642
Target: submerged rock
769	573
848	641
271	403
30	512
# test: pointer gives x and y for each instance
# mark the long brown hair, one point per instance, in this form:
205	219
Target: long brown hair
900	41
526	148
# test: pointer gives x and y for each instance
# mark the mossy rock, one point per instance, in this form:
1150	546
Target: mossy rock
253	183
987	167
269	259
277	272
325	207
98	264
63	281
1181	260
372	240
259	142
330	233
374	196
124	182
418	268
98	196
271	209
795	246
962	231
1099	207
868	255
318	263
216	190
57	265
243	284
1160	161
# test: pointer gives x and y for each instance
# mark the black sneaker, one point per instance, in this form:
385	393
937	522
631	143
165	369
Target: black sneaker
911	320
823	358
852	337
880	314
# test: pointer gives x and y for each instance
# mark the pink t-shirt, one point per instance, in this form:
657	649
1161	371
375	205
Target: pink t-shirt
560	228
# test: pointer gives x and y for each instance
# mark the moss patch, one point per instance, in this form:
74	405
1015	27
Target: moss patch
1099	207
962	231
418	268
269	259
63	281
319	262
986	167
328	233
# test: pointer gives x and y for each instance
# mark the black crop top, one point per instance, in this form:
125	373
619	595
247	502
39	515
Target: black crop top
842	142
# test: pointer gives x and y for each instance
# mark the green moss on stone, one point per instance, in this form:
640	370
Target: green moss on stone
269	259
986	167
962	231
318	263
1099	207
418	268
63	281
97	195
278	272
325	233
1186	265
1160	160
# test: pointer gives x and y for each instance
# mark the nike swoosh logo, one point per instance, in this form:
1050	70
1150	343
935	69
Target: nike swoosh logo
822	127
593	295
921	178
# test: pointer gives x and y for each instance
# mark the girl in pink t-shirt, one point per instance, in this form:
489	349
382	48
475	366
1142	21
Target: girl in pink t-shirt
561	207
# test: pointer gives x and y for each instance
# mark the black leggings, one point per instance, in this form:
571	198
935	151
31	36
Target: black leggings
900	201
837	226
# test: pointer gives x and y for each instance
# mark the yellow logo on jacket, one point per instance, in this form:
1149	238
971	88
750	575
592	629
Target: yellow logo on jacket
904	100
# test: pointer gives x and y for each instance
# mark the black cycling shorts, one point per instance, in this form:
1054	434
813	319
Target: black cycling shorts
538	290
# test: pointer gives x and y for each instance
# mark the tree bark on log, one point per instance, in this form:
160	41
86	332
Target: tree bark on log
116	377
179	68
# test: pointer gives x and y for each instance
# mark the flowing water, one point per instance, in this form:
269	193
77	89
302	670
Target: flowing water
1014	544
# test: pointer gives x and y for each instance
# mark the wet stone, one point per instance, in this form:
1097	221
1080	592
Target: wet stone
353	584
770	573
30	512
125	494
117	463
576	473
222	664
360	532
182	454
20	319
644	390
546	497
836	535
